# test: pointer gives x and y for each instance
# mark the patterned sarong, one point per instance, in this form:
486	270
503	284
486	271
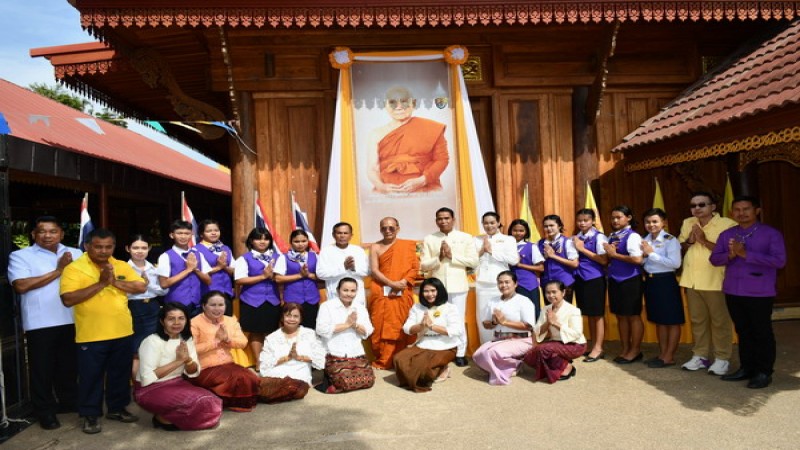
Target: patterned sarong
348	374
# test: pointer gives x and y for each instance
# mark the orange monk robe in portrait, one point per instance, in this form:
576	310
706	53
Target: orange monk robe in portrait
415	148
388	314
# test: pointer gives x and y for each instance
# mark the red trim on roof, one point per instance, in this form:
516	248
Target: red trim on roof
416	13
117	144
765	80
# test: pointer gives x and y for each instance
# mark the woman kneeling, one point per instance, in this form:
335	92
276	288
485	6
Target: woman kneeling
216	334
176	404
559	336
511	317
342	325
287	357
438	326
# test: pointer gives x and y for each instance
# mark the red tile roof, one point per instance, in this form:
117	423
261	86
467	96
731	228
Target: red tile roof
766	79
117	144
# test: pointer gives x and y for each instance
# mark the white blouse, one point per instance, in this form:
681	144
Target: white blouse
154	289
515	309
276	346
155	352
504	254
446	316
345	343
571	325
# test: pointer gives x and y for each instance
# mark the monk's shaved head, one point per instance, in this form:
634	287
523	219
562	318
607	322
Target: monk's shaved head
390	219
399	92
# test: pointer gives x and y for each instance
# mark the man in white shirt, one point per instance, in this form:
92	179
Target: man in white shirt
446	255
35	273
342	260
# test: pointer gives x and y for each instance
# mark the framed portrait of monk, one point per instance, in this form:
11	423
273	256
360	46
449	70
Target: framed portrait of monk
403	124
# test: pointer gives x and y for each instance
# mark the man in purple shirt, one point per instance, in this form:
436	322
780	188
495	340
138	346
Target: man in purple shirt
752	253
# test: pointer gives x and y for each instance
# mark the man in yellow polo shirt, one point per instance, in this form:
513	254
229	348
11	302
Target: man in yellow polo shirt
711	322
96	285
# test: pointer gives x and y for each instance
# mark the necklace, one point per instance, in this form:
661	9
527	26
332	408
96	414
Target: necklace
742	237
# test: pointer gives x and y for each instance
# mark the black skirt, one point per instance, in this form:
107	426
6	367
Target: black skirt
663	299
591	296
625	297
264	319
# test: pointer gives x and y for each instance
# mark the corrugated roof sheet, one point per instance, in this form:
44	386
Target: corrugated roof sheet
766	79
63	130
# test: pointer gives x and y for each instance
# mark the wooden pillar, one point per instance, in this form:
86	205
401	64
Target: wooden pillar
583	145
243	175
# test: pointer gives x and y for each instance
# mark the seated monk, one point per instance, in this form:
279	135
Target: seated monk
408	154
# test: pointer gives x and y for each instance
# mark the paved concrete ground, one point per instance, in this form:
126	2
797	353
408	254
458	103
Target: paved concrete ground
604	406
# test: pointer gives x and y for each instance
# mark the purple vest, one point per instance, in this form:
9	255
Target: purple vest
303	290
187	291
619	270
220	281
264	291
588	269
554	270
525	278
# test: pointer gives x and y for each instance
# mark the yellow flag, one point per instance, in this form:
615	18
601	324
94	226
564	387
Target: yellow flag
591	204
658	201
727	201
526	215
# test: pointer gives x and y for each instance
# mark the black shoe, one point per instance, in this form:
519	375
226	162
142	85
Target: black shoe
569	375
461	361
739	375
759	381
49	422
589	359
636	358
164	426
122	416
91	426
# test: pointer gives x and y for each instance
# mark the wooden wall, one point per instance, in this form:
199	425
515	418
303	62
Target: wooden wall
523	106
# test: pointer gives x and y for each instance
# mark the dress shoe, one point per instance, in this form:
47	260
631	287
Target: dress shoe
739	375
590	359
636	358
569	375
164	426
759	381
658	363
461	361
49	422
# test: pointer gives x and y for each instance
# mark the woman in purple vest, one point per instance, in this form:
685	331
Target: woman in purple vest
560	256
531	263
220	258
260	307
297	270
624	250
590	279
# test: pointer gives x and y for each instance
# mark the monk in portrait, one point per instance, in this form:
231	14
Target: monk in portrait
409	153
394	266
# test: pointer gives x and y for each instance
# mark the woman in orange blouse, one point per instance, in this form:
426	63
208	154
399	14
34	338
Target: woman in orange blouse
215	334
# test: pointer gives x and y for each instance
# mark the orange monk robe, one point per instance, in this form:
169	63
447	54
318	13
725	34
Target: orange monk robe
388	314
415	148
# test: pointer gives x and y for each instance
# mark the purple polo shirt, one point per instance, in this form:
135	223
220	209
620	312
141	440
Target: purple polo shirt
754	276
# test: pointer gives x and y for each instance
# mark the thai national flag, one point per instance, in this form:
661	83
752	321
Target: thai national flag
262	221
186	214
86	222
300	221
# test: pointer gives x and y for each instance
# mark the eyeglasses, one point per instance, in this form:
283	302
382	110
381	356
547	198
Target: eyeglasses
388	228
698	205
403	103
